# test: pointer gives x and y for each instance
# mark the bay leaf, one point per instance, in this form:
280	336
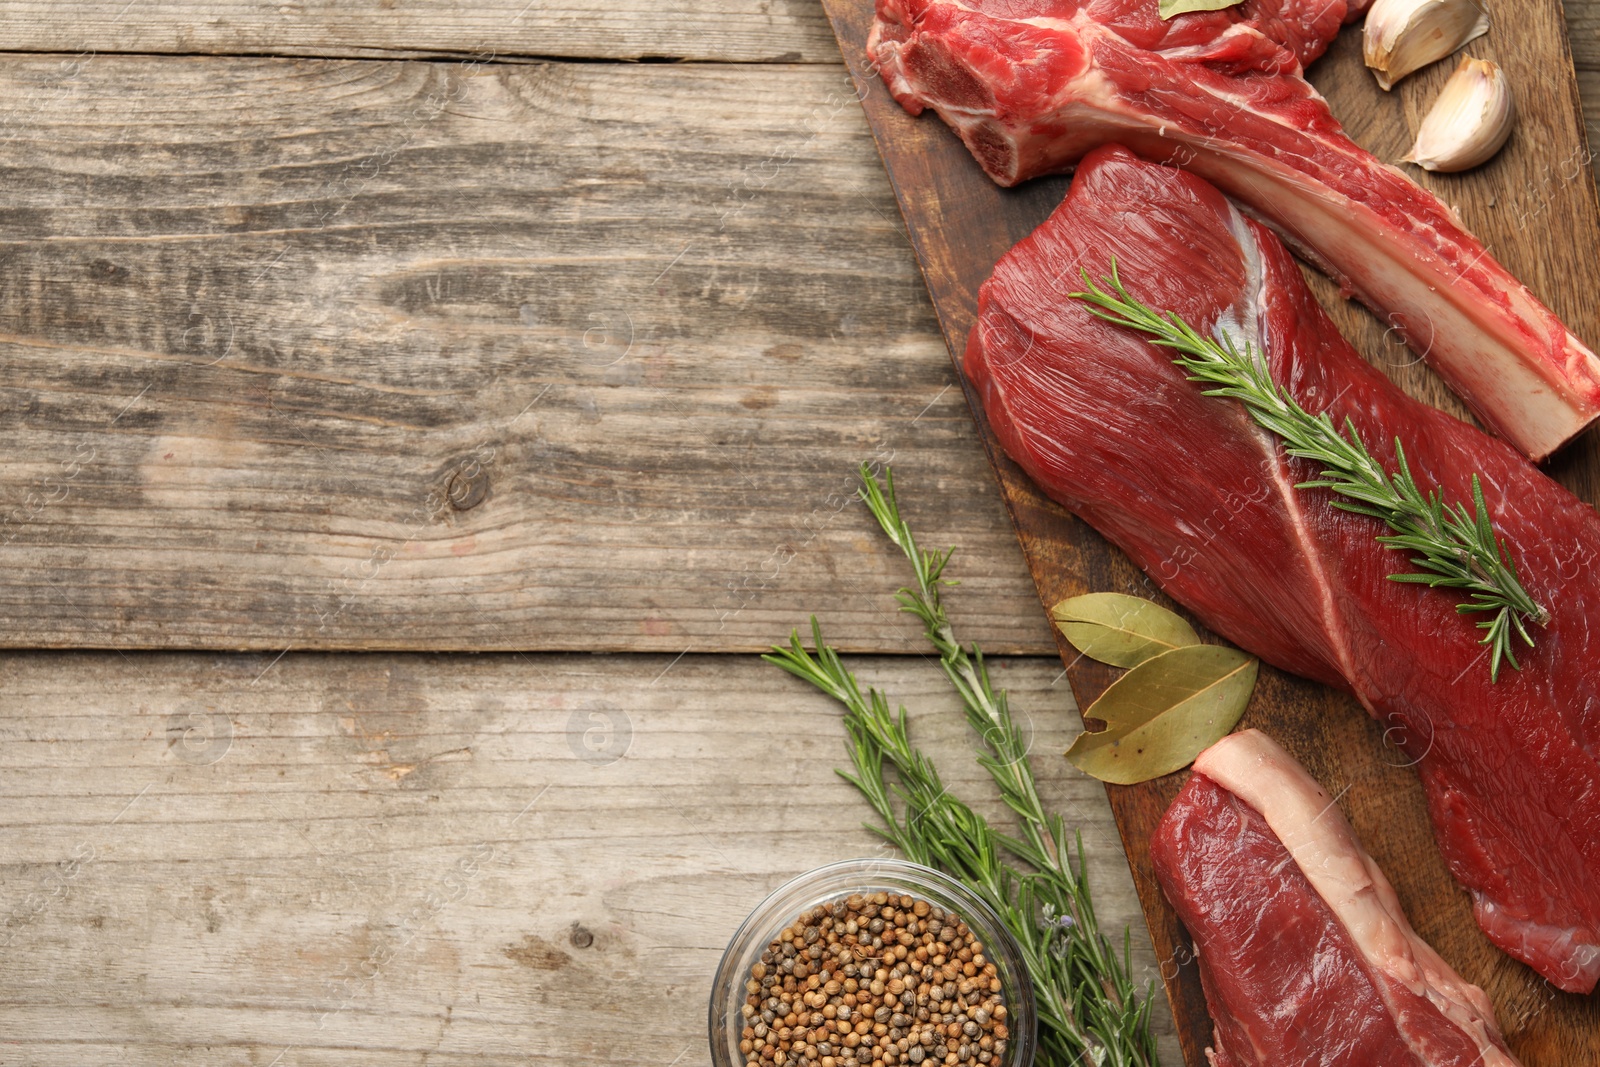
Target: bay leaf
1170	8
1165	712
1123	631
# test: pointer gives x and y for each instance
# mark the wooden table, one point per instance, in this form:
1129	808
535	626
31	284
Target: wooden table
341	341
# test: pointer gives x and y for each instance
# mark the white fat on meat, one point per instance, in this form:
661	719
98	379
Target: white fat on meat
1308	822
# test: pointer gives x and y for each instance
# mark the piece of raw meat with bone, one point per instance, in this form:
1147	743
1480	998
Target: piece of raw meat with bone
1205	501
1305	954
1031	85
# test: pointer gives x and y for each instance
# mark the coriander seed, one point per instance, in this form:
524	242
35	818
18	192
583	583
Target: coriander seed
873	980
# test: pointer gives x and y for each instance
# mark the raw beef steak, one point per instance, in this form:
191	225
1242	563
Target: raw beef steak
1306	958
1205	502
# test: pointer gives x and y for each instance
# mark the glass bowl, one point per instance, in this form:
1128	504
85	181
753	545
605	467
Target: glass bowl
838	880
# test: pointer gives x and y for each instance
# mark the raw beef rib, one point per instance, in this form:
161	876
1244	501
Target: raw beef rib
1031	85
1306	958
1205	502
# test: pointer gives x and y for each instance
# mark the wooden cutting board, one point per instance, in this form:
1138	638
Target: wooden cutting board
1535	207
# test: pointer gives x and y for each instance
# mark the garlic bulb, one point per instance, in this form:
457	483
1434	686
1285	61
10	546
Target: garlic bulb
1402	36
1469	122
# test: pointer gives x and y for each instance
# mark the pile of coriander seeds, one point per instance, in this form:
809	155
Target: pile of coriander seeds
874	980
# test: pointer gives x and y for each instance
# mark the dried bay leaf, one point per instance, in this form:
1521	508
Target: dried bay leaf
1165	712
1123	631
1170	8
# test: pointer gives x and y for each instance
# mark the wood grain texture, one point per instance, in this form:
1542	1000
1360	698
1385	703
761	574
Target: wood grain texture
267	325
1535	207
390	859
772	31
1583	31
767	31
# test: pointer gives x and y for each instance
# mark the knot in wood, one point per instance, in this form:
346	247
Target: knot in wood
468	486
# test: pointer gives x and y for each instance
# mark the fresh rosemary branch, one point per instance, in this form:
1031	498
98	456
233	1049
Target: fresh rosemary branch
1455	547
1090	1012
987	711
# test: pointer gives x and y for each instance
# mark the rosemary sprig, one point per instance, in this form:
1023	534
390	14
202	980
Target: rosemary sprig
1089	1009
1454	546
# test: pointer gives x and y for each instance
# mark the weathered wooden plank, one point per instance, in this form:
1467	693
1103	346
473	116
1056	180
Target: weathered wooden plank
1589	87
1583	27
781	31
259	316
370	859
770	31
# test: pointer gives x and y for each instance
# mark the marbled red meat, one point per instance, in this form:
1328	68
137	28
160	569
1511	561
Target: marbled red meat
1305	954
1031	85
1204	501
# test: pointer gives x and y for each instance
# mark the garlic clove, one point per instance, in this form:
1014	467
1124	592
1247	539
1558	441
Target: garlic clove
1402	36
1469	122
